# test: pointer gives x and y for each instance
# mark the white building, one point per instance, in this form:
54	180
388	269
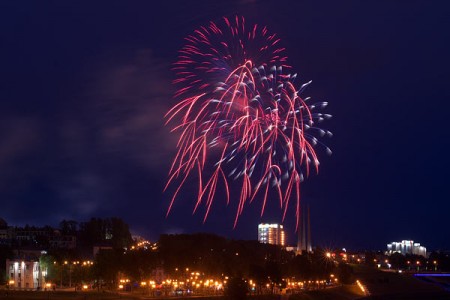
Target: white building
406	247
271	234
25	274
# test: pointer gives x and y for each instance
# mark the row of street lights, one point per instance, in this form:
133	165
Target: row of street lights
86	263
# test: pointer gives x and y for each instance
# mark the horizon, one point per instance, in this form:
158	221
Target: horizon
290	244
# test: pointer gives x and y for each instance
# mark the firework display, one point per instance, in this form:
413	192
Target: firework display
242	122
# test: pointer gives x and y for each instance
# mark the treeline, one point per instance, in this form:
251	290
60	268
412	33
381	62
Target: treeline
113	231
436	261
210	255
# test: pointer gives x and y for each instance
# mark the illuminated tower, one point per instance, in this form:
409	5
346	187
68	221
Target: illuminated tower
308	242
271	234
304	232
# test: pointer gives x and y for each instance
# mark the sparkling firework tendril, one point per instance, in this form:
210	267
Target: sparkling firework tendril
217	49
253	120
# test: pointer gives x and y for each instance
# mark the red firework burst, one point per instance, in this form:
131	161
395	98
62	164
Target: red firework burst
247	114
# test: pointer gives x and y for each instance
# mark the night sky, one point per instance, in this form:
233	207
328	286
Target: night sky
84	87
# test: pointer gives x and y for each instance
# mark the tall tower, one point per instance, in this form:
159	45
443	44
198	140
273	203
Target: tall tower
304	232
299	237
308	243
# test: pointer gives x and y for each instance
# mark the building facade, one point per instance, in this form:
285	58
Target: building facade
32	236
63	242
27	274
271	234
406	247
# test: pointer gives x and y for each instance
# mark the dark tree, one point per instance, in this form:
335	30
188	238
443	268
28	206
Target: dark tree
138	264
370	258
68	227
112	230
345	273
236	289
258	273
398	261
5	253
439	261
120	231
106	267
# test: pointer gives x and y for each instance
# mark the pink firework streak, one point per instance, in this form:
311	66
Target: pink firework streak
253	121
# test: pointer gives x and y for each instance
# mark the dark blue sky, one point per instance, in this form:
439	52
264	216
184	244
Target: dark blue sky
83	88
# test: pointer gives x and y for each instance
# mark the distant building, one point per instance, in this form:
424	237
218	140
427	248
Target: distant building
97	248
35	236
28	233
271	234
406	247
63	242
291	249
6	233
28	253
25	274
7	236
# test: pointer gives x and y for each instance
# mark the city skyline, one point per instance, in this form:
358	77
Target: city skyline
84	90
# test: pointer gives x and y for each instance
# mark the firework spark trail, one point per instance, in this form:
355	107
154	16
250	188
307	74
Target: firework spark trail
217	49
248	111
